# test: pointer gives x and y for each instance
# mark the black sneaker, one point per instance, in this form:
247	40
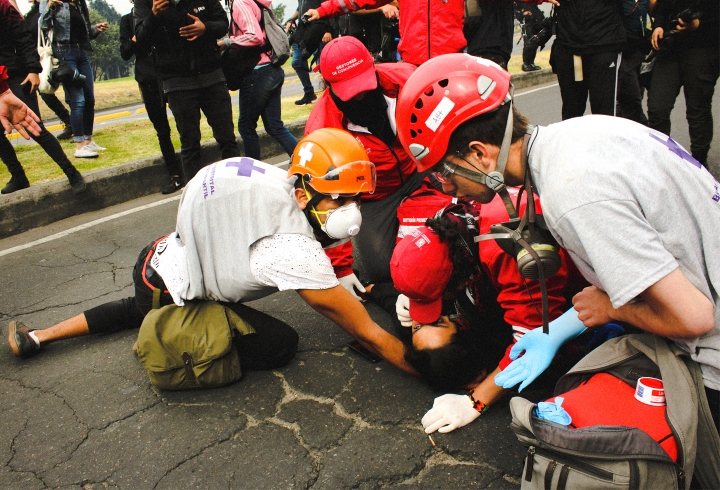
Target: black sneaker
66	133
307	99
175	184
530	67
77	183
15	184
21	344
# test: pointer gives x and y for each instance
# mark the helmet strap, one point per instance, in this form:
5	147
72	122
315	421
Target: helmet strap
497	182
310	206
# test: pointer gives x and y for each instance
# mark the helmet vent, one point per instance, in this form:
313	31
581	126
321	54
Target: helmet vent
413	118
444	83
429	92
485	86
419	104
413	133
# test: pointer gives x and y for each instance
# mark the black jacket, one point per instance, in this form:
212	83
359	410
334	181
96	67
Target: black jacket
18	44
145	70
590	26
176	56
707	34
491	32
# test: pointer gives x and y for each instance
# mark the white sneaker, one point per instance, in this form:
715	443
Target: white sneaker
85	152
94	147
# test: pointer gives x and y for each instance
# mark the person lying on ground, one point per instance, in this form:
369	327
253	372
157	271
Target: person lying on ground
467	306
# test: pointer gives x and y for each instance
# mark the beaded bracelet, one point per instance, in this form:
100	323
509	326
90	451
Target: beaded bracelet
477	404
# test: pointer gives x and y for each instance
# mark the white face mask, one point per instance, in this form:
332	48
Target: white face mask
342	222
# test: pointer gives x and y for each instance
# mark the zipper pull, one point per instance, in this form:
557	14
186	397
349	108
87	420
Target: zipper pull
529	461
681	478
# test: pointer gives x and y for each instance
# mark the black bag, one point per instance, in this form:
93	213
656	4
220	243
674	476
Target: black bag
237	63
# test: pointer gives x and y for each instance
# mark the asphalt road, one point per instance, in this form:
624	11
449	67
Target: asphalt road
83	415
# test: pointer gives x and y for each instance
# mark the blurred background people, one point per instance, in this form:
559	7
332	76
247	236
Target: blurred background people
72	32
154	99
18	53
687	38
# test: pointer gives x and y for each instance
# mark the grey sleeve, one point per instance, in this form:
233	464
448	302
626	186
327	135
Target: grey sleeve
615	248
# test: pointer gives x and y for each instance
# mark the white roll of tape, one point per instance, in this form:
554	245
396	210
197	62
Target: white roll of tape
650	391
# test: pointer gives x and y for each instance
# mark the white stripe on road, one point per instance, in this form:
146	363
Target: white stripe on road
86	226
97	222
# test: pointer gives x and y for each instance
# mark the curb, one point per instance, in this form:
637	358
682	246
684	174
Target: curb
49	202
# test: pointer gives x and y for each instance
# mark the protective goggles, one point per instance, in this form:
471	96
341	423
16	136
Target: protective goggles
346	180
447	169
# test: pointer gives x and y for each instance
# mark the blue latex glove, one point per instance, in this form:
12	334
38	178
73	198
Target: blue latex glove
540	350
554	412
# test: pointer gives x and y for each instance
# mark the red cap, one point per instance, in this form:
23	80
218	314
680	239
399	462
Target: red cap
421	268
348	67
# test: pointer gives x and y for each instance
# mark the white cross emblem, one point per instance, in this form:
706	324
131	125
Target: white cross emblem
305	154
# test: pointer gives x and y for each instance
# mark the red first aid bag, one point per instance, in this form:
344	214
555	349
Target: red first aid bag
606	400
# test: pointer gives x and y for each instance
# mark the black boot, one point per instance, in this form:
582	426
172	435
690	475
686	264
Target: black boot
66	133
77	183
17	182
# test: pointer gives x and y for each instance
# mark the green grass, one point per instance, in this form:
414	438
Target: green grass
136	140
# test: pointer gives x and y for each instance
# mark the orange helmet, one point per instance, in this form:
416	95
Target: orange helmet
332	161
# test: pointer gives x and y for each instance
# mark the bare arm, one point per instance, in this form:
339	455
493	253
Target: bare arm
487	391
672	307
339	306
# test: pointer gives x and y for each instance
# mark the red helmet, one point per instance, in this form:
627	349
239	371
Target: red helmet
441	94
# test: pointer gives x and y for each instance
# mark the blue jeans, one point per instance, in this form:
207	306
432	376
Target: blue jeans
260	97
82	97
303	72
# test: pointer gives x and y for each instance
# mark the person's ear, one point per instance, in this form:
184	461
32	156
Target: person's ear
301	198
482	153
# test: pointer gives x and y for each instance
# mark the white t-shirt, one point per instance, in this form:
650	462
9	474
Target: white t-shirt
631	206
282	262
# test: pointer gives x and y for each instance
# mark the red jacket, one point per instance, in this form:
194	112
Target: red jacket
520	298
3	80
392	164
428	28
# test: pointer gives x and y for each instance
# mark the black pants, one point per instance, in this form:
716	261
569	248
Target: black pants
273	345
46	140
214	102
696	71
367	28
57	107
531	27
599	81
629	96
155	100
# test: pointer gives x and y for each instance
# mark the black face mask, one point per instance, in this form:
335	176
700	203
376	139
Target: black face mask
370	112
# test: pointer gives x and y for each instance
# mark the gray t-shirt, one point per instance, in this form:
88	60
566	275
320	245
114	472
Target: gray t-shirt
630	206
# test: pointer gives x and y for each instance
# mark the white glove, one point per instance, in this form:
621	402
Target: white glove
402	308
349	281
448	413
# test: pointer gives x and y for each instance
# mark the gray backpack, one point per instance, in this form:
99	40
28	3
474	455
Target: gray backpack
623	457
279	47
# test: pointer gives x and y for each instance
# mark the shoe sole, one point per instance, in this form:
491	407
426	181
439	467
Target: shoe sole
86	156
12	330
